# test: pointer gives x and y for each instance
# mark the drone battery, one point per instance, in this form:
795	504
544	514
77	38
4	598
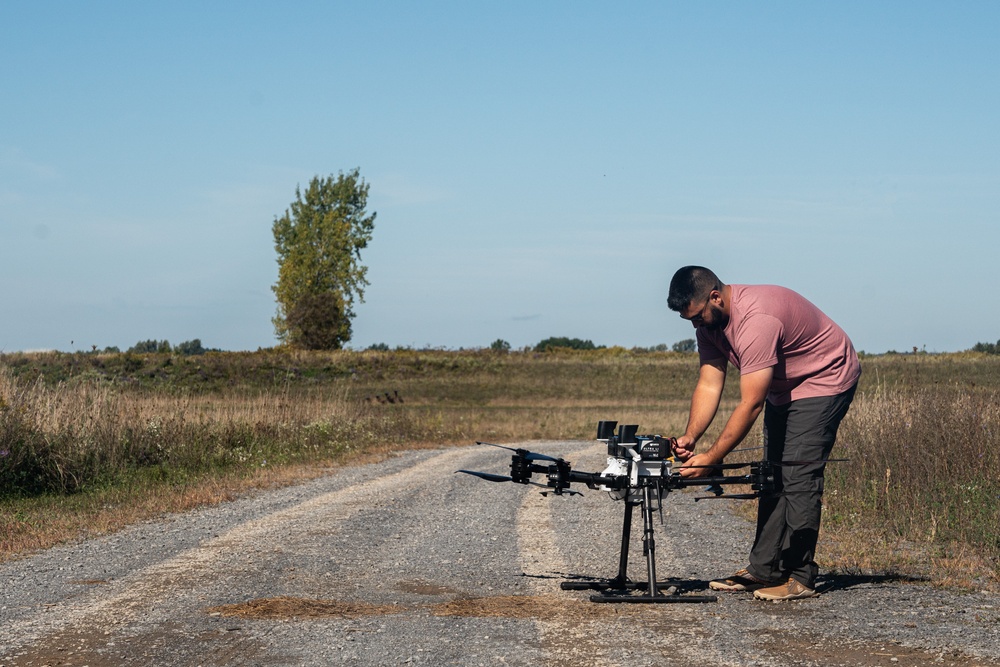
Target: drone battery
655	449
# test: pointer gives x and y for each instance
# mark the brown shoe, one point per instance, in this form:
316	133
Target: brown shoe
790	590
739	581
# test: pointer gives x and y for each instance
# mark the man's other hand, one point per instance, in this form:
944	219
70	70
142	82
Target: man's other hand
698	465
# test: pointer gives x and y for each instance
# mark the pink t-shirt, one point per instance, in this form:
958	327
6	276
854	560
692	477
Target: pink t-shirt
774	326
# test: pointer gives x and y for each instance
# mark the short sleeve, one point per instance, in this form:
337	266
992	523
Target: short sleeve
760	338
708	350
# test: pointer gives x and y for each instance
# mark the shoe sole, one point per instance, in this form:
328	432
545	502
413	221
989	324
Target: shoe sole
735	588
784	598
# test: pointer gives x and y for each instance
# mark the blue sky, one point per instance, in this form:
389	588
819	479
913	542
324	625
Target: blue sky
537	168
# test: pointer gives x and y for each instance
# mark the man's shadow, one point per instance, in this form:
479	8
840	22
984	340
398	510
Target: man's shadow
838	582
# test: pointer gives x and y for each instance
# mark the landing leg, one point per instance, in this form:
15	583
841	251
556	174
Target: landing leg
616	590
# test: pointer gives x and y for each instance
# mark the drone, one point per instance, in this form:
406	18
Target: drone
640	471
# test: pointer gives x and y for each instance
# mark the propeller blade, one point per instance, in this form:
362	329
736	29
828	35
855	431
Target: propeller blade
733	466
488	476
746	449
804	463
531	456
731	496
720	466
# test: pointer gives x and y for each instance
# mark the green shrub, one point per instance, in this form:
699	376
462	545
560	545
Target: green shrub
562	341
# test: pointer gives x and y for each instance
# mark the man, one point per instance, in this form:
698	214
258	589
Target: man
799	368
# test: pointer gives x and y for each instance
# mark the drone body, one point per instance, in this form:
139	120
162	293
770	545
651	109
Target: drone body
639	472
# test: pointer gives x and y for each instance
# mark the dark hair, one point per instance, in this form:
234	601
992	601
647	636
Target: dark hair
691	283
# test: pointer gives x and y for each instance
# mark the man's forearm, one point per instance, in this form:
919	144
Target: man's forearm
736	428
704	405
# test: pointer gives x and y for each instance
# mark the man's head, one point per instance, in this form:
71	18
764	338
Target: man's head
697	294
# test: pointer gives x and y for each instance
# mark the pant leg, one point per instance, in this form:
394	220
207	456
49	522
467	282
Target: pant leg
788	525
765	555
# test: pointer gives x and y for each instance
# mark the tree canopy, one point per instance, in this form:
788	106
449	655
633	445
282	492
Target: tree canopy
562	341
319	241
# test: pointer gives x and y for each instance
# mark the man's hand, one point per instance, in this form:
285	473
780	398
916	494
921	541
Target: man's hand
683	447
691	467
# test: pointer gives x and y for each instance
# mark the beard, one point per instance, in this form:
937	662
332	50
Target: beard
716	321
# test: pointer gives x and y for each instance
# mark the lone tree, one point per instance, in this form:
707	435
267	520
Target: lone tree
319	241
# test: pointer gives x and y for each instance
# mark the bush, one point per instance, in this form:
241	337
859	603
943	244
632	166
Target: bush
571	343
500	345
190	348
149	346
686	345
988	348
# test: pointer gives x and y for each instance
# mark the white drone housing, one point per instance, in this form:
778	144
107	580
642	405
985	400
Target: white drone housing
629	463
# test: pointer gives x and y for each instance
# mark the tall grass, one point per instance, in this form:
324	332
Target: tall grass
66	439
923	481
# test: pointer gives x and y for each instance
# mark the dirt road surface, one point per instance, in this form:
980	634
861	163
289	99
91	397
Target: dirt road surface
404	562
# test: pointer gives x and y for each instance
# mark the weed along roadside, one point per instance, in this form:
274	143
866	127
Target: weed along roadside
92	442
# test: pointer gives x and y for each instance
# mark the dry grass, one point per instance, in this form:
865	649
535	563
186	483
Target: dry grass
922	489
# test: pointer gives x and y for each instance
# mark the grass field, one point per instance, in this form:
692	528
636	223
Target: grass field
91	442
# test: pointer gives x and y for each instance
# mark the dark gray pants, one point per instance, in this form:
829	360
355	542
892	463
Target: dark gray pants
788	521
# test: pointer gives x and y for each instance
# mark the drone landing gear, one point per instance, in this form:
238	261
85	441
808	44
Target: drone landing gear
616	590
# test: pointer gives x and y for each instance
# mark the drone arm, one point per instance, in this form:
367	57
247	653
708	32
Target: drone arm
761	479
594	480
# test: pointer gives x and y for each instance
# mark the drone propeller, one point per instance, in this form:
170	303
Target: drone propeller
805	463
731	496
733	466
530	456
488	476
720	466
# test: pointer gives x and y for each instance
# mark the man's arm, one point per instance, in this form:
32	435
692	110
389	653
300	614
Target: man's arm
753	392
704	405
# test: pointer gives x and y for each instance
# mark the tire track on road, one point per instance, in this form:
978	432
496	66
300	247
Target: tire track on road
566	639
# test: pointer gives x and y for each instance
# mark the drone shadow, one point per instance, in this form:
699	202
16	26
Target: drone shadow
825	583
662	582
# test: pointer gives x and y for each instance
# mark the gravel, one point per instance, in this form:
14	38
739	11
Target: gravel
405	562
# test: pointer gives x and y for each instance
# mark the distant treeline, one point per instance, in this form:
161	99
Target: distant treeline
566	343
187	348
988	348
195	347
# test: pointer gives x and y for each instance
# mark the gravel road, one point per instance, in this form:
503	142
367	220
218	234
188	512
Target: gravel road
405	562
